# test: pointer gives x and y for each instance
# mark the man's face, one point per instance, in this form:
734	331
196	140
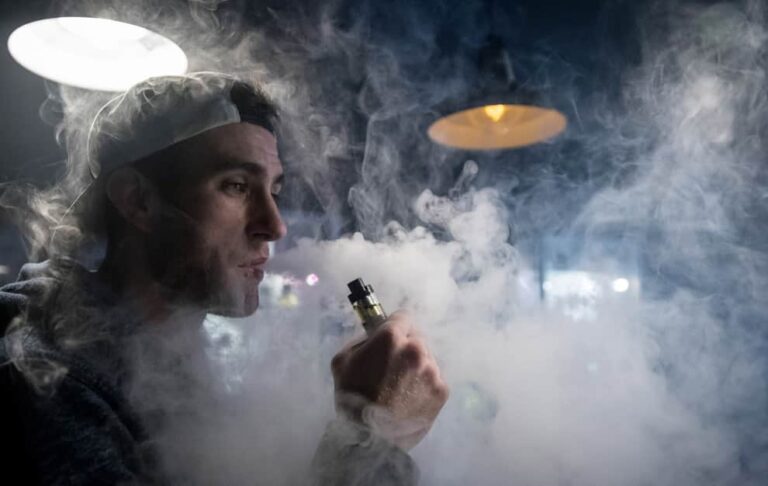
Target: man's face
210	244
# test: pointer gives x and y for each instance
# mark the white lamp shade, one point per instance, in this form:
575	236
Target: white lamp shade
93	53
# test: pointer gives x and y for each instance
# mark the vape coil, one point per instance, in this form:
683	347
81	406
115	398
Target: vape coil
366	305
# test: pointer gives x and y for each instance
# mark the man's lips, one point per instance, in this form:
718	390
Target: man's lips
256	262
254	268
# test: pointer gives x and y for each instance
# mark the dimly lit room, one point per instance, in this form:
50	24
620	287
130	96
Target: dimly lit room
356	242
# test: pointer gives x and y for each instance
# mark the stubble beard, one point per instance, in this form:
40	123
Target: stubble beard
198	277
191	274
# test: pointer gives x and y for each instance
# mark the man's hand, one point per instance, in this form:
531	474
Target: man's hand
390	382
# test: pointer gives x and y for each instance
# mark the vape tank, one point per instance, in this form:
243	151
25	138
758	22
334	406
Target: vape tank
366	305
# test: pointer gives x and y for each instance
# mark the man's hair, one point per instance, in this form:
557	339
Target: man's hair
164	103
254	106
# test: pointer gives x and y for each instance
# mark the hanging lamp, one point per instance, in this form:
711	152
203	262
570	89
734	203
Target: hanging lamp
94	53
502	116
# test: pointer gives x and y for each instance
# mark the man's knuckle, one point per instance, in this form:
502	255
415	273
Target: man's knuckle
337	362
442	391
389	337
430	375
414	354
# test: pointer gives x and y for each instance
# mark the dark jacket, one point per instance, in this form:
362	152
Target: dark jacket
73	426
68	422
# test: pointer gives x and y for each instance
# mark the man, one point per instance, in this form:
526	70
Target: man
186	197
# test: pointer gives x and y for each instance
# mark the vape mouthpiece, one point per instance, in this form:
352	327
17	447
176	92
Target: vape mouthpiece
366	305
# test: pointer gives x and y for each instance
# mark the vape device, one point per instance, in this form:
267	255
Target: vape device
366	305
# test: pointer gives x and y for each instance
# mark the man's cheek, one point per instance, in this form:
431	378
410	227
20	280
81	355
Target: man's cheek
238	294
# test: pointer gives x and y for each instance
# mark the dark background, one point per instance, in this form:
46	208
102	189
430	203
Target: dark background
575	50
578	55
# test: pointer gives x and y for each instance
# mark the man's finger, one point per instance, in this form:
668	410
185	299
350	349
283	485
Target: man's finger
354	343
398	322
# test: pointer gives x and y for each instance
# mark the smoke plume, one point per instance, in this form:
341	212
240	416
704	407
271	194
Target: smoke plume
663	161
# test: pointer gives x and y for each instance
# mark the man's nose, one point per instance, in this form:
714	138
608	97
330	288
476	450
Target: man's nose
264	220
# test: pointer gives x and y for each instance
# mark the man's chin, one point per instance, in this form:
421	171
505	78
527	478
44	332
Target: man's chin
243	305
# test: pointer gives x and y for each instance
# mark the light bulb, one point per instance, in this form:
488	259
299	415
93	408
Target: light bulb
494	112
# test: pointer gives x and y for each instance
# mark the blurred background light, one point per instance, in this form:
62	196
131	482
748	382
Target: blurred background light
620	285
93	53
571	283
312	279
579	277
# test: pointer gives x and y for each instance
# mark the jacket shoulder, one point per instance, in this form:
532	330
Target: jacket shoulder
66	427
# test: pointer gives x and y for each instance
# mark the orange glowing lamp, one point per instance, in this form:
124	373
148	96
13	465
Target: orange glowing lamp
500	114
497	126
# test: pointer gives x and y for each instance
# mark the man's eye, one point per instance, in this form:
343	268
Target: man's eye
235	187
276	190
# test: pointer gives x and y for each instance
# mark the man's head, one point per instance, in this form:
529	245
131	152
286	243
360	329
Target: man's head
198	211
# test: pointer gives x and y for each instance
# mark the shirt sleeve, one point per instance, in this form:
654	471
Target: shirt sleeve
350	454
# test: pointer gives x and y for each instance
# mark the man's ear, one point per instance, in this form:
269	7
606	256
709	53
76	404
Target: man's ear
133	195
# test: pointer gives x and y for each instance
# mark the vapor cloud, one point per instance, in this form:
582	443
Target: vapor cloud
666	386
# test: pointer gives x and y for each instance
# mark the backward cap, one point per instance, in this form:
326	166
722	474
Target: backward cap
157	113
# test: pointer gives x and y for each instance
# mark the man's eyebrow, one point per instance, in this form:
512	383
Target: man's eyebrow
253	168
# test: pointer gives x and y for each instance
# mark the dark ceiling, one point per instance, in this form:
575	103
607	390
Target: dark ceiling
572	34
375	81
